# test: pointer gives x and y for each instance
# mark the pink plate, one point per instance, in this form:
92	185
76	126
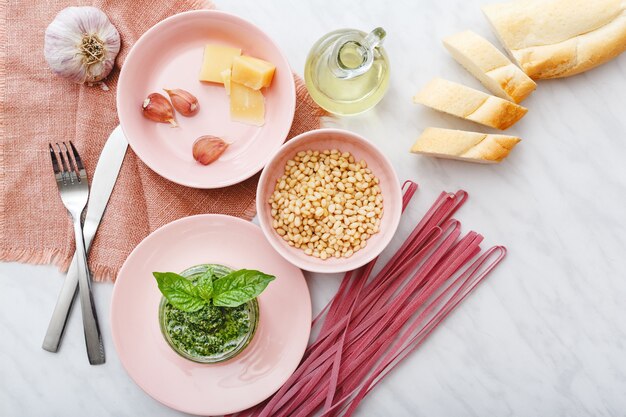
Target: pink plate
232	386
169	55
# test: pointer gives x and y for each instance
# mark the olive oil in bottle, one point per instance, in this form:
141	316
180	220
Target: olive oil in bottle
347	71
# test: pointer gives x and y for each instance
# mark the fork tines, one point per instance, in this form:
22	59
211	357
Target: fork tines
71	167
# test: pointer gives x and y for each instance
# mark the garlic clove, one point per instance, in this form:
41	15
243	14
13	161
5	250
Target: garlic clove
183	101
158	108
207	149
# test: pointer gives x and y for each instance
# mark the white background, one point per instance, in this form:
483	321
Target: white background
544	335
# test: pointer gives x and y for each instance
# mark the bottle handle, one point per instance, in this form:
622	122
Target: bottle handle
374	38
365	46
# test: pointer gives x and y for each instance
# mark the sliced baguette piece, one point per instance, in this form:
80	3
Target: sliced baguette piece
490	66
467	103
559	38
466	146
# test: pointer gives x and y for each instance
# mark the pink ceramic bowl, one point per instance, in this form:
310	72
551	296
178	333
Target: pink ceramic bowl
358	146
169	55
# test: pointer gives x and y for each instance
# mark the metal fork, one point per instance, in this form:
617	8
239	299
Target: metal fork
71	179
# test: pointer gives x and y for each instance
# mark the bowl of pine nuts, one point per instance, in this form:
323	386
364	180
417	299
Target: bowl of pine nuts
329	201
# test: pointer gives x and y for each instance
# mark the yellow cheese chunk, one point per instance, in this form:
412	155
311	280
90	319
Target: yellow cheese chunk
246	105
226	80
217	58
252	72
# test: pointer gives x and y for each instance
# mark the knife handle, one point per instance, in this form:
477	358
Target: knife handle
62	309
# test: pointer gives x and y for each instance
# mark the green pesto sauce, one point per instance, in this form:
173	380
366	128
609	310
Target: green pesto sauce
210	331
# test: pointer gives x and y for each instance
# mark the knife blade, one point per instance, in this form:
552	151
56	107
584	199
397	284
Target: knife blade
104	178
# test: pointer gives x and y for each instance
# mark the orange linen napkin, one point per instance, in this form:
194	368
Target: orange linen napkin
37	107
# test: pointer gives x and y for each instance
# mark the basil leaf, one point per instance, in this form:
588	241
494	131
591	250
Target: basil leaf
204	285
179	291
239	287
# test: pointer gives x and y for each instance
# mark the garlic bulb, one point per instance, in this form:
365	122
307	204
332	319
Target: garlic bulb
81	44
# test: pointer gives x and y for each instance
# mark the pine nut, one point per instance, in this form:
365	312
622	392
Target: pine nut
326	203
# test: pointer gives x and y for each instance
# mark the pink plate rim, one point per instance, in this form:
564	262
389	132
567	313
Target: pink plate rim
254	168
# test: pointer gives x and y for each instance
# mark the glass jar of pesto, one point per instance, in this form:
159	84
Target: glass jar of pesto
212	334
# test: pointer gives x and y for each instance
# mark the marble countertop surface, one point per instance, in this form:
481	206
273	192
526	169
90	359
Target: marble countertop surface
544	335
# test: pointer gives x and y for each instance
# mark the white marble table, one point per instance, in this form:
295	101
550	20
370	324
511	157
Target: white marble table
545	335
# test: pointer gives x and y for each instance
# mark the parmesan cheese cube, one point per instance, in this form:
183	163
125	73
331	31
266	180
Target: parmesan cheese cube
246	105
217	58
252	72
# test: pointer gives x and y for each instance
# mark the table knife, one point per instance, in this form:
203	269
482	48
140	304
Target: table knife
107	169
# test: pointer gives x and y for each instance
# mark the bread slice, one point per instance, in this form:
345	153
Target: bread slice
559	38
466	146
467	103
490	66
